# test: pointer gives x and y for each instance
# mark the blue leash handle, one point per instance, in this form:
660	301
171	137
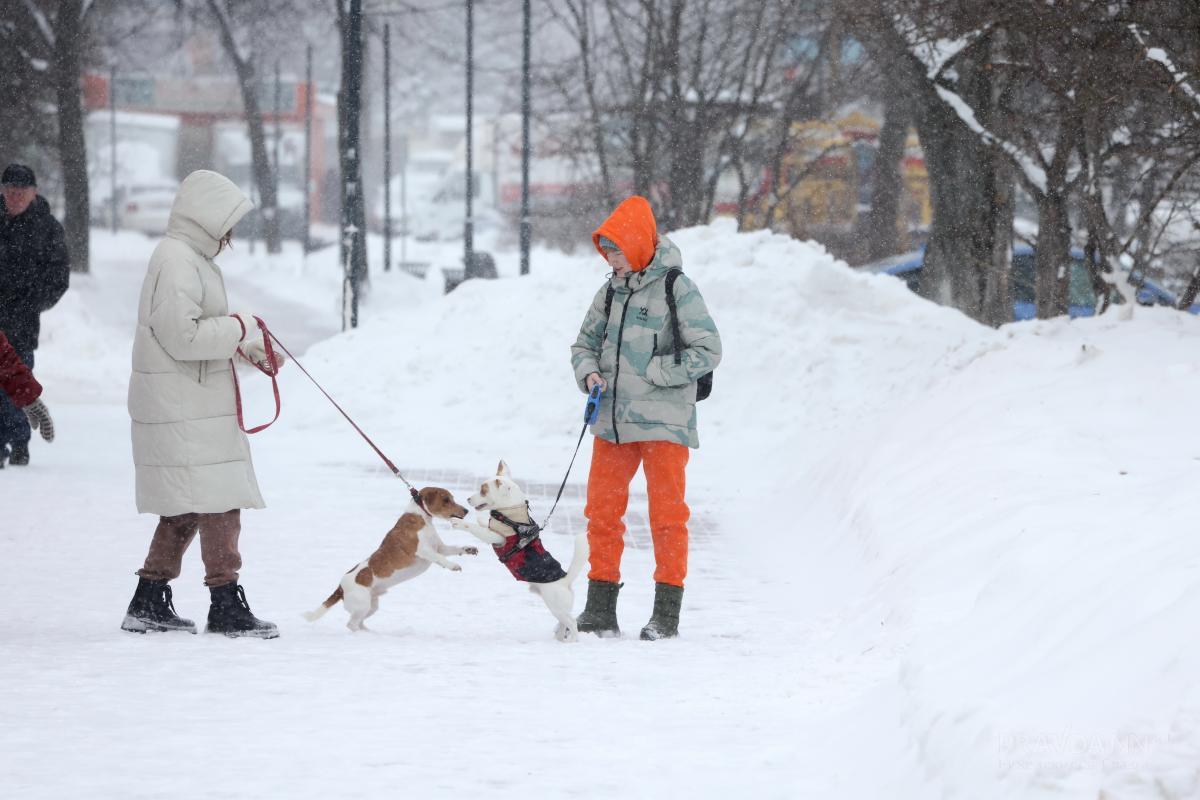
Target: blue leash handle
592	410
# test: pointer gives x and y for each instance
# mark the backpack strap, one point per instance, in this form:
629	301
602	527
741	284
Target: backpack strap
671	276
608	298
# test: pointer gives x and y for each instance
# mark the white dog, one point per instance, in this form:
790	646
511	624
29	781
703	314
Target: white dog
515	539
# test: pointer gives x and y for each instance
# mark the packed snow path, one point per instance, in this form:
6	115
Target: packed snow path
459	691
931	559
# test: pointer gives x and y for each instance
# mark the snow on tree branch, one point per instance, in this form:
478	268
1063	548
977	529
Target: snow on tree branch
1160	55
1034	174
42	23
934	56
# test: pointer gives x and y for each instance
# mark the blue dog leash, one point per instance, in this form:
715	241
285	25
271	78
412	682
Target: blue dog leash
591	412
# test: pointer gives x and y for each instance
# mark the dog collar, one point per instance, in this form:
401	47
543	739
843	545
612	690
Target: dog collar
416	496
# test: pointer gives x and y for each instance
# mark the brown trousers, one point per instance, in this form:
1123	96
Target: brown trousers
218	547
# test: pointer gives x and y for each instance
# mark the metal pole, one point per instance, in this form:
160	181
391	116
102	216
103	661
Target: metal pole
404	199
112	135
278	136
387	147
352	210
526	231
469	225
308	113
496	122
254	198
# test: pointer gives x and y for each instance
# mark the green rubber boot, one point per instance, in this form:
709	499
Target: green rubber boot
600	612
664	621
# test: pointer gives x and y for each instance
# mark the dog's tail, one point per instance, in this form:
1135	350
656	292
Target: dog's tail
579	559
330	602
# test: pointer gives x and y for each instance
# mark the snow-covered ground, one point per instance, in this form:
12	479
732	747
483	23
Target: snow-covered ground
930	559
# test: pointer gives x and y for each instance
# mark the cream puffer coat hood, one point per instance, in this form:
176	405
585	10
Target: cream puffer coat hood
189	453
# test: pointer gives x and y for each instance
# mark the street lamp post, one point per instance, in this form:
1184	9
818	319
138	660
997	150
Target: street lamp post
354	259
387	147
308	118
469	224
112	141
278	136
526	229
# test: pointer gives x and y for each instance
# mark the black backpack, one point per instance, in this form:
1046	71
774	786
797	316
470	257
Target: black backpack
704	383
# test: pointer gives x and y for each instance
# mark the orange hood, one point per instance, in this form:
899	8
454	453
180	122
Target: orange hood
633	229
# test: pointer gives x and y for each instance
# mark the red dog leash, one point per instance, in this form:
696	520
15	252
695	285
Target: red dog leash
271	369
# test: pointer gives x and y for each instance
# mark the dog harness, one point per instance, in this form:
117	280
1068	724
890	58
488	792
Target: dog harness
523	553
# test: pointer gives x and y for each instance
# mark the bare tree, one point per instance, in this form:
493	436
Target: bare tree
1030	88
879	228
60	41
673	93
25	116
239	26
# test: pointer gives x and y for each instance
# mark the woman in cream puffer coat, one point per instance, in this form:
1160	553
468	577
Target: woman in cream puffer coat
191	457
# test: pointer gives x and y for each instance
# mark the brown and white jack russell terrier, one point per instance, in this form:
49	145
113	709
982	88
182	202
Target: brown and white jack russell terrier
528	561
408	549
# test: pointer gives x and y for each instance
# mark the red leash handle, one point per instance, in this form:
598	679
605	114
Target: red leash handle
270	369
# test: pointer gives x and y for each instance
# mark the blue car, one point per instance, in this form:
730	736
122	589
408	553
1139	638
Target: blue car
1081	299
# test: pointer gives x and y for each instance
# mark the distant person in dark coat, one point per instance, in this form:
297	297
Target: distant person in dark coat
35	270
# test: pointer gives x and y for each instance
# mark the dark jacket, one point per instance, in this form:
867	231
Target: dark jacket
16	380
530	564
34	271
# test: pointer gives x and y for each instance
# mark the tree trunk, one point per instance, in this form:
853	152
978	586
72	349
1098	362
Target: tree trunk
997	285
71	144
1189	294
264	179
597	125
643	135
881	223
670	71
1052	261
959	255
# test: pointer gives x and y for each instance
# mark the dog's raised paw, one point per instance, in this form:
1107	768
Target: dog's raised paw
471	551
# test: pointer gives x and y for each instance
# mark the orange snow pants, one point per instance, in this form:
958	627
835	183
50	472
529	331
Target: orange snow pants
613	467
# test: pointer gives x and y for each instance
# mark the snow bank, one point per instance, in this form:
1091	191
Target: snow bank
1024	523
972	545
493	356
1002	510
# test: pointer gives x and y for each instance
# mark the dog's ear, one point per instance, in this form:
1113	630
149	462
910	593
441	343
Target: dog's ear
502	470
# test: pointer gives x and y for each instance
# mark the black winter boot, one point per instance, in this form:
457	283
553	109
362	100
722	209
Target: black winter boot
19	456
151	609
230	614
664	622
600	612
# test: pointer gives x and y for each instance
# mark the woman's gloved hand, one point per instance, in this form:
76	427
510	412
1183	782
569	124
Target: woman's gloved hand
253	348
39	419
